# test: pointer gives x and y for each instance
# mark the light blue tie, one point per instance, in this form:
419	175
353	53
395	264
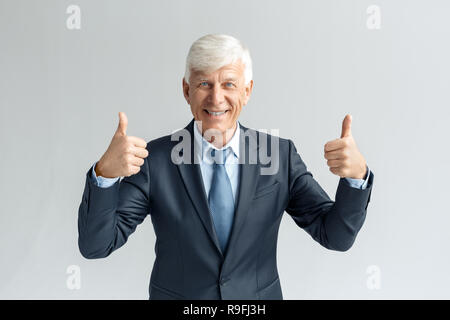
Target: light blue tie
221	202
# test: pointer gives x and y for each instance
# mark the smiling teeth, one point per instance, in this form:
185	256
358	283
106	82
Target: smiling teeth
216	113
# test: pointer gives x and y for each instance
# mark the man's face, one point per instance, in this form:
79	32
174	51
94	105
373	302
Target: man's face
217	98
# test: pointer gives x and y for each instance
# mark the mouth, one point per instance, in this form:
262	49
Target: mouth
215	114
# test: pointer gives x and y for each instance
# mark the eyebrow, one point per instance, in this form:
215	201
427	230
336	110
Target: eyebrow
227	79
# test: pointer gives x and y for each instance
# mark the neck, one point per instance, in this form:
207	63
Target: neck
220	139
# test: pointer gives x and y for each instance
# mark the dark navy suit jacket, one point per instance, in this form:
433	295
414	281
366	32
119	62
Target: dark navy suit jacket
189	263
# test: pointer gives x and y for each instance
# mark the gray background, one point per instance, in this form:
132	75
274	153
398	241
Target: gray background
314	61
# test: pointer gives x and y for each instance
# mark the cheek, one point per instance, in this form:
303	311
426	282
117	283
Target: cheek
240	103
196	102
236	101
240	98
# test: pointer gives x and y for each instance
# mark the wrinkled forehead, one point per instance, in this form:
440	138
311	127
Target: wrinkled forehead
233	70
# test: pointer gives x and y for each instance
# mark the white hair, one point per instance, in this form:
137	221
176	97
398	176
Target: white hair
213	51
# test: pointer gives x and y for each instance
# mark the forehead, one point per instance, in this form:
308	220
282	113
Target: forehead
234	70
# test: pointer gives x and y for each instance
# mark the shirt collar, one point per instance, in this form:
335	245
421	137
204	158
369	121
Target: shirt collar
204	145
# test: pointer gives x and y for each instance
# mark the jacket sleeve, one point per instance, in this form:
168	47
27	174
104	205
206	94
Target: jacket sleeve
333	224
107	216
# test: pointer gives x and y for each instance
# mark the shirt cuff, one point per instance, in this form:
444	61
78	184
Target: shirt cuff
101	181
359	183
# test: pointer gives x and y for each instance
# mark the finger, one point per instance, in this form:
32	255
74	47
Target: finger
123	123
133	170
333	155
346	126
138	142
337	171
335	145
136	161
140	152
334	163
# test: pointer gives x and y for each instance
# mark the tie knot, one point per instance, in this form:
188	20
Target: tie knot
219	156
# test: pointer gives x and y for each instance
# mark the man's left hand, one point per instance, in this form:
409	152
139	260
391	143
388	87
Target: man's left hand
344	158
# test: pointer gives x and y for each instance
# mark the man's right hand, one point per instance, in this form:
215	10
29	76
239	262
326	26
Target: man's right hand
125	154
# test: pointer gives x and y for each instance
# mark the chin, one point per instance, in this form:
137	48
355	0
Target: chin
214	123
215	126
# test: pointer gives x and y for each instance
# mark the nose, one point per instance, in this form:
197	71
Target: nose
216	96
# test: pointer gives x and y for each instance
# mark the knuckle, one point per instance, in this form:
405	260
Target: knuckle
347	142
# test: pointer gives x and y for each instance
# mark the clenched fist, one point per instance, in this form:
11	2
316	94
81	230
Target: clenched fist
125	154
344	158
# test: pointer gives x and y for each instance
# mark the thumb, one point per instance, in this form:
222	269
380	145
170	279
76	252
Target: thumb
346	126
123	123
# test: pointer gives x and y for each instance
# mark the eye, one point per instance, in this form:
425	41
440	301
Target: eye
203	83
229	84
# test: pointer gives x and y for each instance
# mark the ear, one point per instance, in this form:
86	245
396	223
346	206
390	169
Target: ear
186	91
248	91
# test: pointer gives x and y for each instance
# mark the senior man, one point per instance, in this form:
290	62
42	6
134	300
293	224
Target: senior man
215	212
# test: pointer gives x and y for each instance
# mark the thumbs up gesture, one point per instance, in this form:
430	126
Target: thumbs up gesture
344	158
125	154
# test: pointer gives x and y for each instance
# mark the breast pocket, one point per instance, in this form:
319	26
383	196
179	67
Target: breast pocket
266	190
